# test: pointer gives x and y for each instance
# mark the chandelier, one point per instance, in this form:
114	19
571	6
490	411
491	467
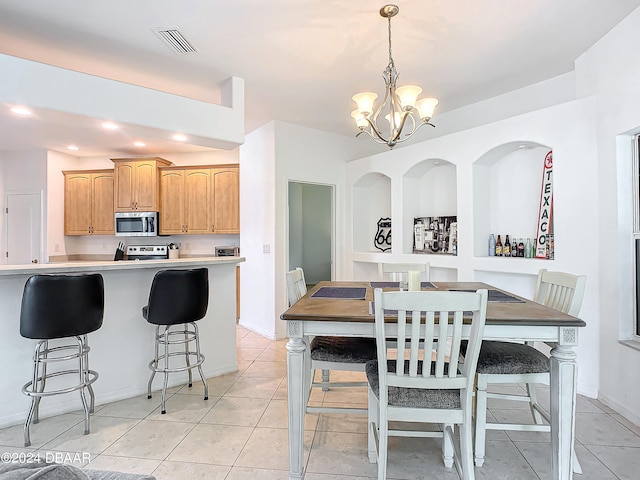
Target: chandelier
400	106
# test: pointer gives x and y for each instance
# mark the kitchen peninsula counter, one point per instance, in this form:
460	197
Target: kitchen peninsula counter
123	347
78	266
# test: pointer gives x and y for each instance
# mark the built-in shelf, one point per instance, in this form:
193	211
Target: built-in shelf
497	192
371	202
506	193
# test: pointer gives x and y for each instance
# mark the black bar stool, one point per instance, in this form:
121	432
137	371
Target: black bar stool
57	307
177	297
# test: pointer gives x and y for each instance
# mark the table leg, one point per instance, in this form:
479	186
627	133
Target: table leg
563	410
296	398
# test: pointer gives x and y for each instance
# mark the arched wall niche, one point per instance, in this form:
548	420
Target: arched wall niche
506	192
429	189
371	196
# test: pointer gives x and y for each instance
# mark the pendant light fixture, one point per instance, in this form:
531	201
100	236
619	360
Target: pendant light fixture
401	108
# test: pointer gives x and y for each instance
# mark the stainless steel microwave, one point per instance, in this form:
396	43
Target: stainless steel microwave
136	224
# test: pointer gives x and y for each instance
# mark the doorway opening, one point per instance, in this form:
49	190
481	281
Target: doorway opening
311	230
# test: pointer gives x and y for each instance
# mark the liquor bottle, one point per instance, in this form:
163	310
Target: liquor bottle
498	247
514	248
506	249
492	245
520	248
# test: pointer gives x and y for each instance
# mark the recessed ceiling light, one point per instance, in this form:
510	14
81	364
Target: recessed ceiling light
140	144
178	137
73	147
110	126
21	110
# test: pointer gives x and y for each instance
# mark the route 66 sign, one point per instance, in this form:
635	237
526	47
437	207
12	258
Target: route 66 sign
382	241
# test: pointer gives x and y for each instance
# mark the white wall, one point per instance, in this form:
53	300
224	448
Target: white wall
568	128
257	224
611	71
270	157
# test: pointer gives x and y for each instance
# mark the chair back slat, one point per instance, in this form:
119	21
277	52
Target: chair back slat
456	339
429	340
561	291
436	318
296	285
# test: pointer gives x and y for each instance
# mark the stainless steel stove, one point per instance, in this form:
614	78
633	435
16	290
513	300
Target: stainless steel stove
147	252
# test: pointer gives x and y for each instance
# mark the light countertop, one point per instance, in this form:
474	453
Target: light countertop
97	266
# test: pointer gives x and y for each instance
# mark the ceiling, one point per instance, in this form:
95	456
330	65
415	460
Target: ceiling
301	60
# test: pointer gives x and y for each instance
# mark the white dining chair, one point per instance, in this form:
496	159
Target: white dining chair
332	353
521	363
391	270
425	385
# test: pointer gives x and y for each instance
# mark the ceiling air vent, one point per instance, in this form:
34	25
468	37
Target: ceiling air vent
175	40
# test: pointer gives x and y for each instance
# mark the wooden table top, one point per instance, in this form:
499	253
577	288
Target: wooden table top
525	312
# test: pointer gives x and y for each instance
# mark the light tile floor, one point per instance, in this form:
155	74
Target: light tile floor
241	433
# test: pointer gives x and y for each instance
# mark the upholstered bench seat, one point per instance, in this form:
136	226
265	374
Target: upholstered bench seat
507	358
412	397
343	349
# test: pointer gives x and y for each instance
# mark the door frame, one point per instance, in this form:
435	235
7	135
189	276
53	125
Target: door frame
333	222
5	223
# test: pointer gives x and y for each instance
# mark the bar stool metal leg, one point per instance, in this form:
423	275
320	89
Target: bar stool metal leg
163	409
186	354
81	381
154	362
198	356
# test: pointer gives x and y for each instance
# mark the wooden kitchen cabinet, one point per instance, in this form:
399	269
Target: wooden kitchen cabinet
88	202
225	200
184	200
136	184
199	200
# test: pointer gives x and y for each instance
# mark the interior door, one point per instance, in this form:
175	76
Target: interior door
311	230
24	223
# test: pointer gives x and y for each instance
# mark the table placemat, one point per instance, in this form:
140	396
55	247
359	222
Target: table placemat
497	296
397	285
345	293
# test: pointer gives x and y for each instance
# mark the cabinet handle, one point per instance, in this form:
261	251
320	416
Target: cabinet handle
213	228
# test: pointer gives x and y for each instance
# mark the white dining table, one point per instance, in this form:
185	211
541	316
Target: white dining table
521	320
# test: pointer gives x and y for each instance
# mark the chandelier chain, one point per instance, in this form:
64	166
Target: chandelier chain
390	56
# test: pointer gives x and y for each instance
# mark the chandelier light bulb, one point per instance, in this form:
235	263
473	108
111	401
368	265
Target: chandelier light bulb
408	95
365	102
425	108
360	119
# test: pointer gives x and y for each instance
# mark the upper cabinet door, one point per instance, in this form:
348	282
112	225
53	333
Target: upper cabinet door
77	204
124	187
226	200
145	192
197	200
136	183
102	204
172	202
